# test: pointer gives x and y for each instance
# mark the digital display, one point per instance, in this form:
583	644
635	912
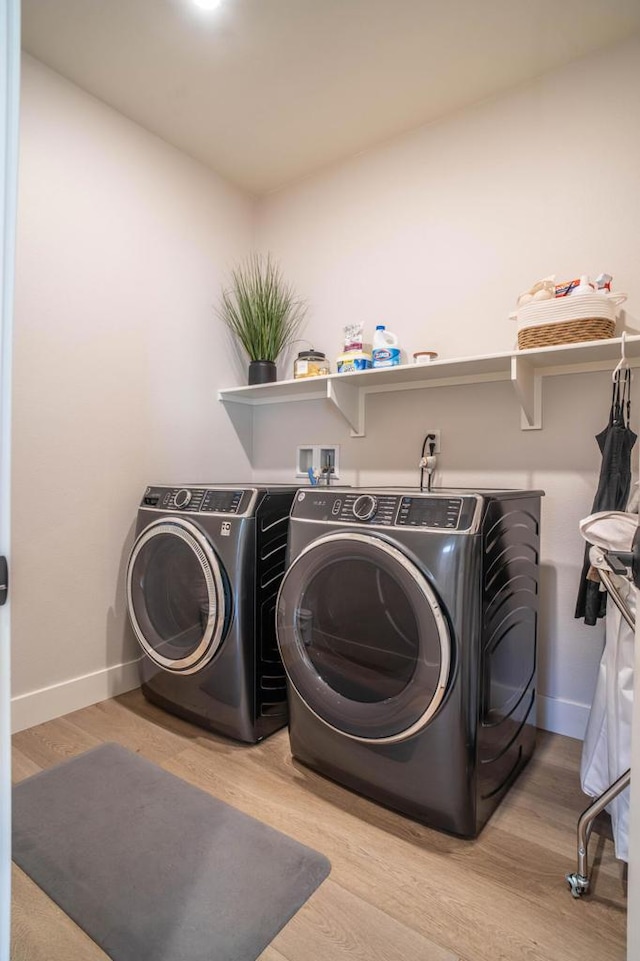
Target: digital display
221	502
430	512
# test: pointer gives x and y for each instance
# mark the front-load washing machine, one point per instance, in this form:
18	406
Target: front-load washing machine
407	625
201	585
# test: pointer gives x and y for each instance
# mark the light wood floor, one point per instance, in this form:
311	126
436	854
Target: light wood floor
397	890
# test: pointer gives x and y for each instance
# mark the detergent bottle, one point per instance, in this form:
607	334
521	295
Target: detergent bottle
385	352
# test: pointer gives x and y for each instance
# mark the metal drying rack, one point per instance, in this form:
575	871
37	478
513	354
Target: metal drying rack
626	563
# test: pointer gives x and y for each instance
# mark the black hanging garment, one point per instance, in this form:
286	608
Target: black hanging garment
615	442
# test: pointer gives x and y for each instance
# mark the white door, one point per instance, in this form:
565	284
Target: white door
9	86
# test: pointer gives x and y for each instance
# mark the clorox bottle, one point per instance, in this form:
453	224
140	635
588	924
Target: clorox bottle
385	352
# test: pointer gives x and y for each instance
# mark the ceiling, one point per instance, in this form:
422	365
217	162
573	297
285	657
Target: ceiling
266	92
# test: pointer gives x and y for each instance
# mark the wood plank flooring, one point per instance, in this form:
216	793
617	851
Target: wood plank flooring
397	891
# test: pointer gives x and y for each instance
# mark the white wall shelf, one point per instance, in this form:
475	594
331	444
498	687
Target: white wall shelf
524	368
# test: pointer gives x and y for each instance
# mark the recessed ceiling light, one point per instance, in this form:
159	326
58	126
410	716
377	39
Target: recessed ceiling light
207	4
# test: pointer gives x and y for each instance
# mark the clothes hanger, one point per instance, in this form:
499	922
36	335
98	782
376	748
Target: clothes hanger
623	363
621	397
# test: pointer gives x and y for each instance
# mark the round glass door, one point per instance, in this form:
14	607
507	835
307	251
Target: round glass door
175	596
363	638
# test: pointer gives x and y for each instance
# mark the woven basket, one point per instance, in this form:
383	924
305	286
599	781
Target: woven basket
567	332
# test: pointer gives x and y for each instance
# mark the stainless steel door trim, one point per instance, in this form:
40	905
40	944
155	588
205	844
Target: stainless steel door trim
443	632
395	738
212	636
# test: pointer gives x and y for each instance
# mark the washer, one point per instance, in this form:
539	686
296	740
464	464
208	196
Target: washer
407	626
201	584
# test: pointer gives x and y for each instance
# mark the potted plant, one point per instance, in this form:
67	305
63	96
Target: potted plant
262	313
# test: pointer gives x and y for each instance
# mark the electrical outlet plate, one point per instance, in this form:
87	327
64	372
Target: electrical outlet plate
318	457
436	432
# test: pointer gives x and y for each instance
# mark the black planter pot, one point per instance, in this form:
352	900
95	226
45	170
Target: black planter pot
262	372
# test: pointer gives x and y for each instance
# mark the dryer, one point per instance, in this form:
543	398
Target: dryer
407	624
201	586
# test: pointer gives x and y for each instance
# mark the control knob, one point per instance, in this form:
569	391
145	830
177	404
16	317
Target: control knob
182	498
365	507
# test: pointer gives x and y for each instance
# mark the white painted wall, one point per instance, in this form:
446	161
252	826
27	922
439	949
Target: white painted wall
435	235
122	245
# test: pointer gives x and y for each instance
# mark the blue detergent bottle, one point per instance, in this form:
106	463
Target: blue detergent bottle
385	352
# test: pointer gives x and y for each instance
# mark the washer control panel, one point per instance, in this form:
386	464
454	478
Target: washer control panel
380	509
200	500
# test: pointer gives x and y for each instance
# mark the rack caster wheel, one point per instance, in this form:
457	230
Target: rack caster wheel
578	884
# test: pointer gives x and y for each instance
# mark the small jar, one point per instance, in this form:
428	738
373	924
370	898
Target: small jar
424	356
310	363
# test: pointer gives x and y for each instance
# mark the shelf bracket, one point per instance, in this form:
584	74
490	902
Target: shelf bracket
527	383
350	402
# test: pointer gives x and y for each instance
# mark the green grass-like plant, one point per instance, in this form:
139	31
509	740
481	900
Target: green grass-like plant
260	309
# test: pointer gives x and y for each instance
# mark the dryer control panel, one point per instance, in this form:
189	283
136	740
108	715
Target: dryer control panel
197	500
382	509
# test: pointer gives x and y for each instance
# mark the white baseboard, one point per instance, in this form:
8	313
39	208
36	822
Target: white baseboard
27	710
563	717
51	702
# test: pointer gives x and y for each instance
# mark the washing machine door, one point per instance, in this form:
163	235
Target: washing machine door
176	596
363	637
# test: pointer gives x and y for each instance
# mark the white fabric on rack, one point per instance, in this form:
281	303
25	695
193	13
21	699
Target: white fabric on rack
606	752
633	504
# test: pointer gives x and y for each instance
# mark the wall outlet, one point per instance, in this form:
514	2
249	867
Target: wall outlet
436	433
321	458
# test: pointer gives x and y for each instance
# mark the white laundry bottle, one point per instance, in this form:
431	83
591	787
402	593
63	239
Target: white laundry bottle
385	351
